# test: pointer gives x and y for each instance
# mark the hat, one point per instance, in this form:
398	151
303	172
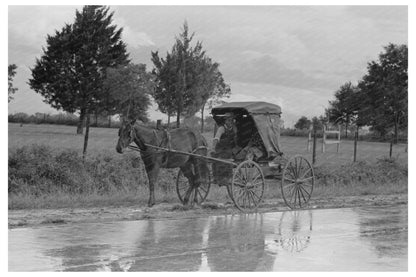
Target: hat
228	115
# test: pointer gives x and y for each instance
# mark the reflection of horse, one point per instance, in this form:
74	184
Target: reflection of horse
185	140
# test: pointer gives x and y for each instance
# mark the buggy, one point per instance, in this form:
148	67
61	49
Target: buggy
247	172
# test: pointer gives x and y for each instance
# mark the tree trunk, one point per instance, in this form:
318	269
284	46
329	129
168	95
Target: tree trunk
96	119
178	118
109	121
87	131
80	126
346	127
168	121
202	118
396	131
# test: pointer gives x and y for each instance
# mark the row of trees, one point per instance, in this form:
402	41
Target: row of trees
380	100
316	123
85	68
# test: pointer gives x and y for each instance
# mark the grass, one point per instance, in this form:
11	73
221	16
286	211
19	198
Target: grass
51	174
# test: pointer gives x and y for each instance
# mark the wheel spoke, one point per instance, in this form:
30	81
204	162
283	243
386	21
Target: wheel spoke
254	200
290	180
303	196
248	198
254	194
302	188
205	190
300	166
256	177
240	182
200	195
240	177
304	174
306	179
292	192
288	185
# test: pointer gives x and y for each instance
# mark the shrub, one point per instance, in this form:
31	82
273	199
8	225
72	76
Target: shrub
37	170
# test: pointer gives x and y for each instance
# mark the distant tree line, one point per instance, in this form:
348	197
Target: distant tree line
379	100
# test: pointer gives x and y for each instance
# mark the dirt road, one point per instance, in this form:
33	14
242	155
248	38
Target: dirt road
29	218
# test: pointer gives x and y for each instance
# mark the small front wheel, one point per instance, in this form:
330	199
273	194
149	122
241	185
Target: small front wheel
247	187
196	195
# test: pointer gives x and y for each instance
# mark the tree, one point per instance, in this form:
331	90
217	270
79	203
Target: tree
71	71
12	72
165	73
186	78
344	109
303	123
385	88
212	86
128	89
317	123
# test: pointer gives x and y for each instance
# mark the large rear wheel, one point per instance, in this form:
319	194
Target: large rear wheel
247	187
297	184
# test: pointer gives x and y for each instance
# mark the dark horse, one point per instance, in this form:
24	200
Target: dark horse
185	140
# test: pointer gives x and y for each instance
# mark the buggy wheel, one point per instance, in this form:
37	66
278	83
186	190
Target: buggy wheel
197	195
298	179
247	187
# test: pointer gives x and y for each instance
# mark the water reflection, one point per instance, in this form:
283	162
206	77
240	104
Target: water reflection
344	239
295	230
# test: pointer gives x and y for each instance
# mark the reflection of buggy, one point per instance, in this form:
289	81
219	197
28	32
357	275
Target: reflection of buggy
257	156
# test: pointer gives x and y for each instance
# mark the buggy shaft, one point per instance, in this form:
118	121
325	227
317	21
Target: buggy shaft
184	153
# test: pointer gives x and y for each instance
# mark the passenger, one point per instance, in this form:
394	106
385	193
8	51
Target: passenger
254	150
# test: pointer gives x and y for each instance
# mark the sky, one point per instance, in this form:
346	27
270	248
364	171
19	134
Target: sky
293	56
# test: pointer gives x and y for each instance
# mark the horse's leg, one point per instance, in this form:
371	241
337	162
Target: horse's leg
152	169
188	173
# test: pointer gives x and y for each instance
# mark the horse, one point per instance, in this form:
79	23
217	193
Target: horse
181	139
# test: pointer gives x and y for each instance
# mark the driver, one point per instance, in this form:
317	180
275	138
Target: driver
225	139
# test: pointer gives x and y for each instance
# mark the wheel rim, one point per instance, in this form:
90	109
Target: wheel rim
248	186
298	179
197	195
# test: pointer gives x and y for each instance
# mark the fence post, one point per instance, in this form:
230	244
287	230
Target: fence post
314	147
355	145
391	148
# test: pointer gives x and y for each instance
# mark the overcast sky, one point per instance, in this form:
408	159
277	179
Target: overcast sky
293	56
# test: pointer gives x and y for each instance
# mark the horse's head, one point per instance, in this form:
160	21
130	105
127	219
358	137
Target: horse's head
126	135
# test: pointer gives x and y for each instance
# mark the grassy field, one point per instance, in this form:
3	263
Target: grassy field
105	140
52	174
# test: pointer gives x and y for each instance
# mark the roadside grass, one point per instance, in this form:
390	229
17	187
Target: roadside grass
40	177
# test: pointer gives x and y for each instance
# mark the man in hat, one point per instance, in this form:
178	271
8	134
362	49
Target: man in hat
224	143
226	137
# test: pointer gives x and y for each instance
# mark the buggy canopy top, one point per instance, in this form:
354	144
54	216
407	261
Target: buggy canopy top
249	107
252	117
